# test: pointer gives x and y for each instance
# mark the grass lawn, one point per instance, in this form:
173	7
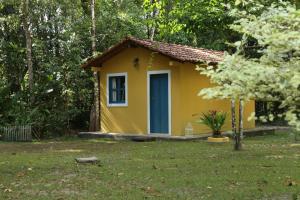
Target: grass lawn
267	168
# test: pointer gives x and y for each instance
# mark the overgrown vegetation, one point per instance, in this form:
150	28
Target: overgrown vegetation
62	93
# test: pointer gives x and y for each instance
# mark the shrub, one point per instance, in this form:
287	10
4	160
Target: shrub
214	120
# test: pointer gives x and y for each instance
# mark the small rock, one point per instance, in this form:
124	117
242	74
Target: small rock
87	160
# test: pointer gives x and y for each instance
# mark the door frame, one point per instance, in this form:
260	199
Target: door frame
149	73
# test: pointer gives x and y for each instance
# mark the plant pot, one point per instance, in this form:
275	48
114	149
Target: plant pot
218	140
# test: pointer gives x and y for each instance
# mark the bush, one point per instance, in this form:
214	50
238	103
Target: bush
214	120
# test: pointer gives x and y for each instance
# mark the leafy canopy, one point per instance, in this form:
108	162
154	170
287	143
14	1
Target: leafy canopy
274	75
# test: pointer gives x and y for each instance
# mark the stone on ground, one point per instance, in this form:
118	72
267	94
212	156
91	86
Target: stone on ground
92	159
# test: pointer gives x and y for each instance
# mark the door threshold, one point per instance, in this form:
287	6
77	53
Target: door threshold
160	134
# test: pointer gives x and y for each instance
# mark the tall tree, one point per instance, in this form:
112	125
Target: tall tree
154	13
26	26
61	37
95	111
272	76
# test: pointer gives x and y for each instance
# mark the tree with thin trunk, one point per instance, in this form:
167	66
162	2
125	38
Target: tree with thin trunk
241	118
95	111
26	27
152	12
238	135
153	16
274	76
233	123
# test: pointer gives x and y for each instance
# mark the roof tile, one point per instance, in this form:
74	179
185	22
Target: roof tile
181	53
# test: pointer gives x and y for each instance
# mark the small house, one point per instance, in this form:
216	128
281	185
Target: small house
150	87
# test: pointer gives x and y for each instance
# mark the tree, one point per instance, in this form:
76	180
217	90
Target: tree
274	75
26	26
95	111
61	39
152	10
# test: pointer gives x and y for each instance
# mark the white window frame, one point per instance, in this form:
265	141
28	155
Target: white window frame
126	90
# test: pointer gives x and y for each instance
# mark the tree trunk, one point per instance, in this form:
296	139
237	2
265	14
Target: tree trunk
239	134
233	126
297	2
241	118
153	16
25	19
95	111
93	31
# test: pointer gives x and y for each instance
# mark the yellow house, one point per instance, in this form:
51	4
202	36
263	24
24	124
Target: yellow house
150	87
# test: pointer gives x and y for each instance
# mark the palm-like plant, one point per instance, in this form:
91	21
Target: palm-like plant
214	120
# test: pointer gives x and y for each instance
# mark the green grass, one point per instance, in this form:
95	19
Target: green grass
267	168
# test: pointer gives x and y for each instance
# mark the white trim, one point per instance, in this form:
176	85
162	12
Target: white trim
169	98
126	90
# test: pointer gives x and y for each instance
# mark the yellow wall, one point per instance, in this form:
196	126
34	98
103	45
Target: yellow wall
185	84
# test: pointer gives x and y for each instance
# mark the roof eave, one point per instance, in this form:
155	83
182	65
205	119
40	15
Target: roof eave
98	60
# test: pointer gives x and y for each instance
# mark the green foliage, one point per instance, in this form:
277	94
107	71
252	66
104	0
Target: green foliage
200	23
60	31
63	92
197	23
214	120
272	76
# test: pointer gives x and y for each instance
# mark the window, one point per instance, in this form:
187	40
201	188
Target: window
117	89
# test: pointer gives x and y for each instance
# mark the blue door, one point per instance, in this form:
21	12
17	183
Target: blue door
159	98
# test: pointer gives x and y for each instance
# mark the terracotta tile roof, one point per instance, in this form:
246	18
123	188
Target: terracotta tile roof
177	52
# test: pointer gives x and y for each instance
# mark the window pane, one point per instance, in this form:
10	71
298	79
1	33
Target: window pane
122	95
114	83
114	96
122	82
117	90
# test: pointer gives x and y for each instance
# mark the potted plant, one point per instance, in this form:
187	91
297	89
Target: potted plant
214	120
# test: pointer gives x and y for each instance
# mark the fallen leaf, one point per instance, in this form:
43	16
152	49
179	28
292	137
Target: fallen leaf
154	166
7	190
275	156
266	166
21	174
290	182
295	145
151	191
262	182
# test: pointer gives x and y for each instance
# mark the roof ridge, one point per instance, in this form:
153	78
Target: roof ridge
168	43
179	52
